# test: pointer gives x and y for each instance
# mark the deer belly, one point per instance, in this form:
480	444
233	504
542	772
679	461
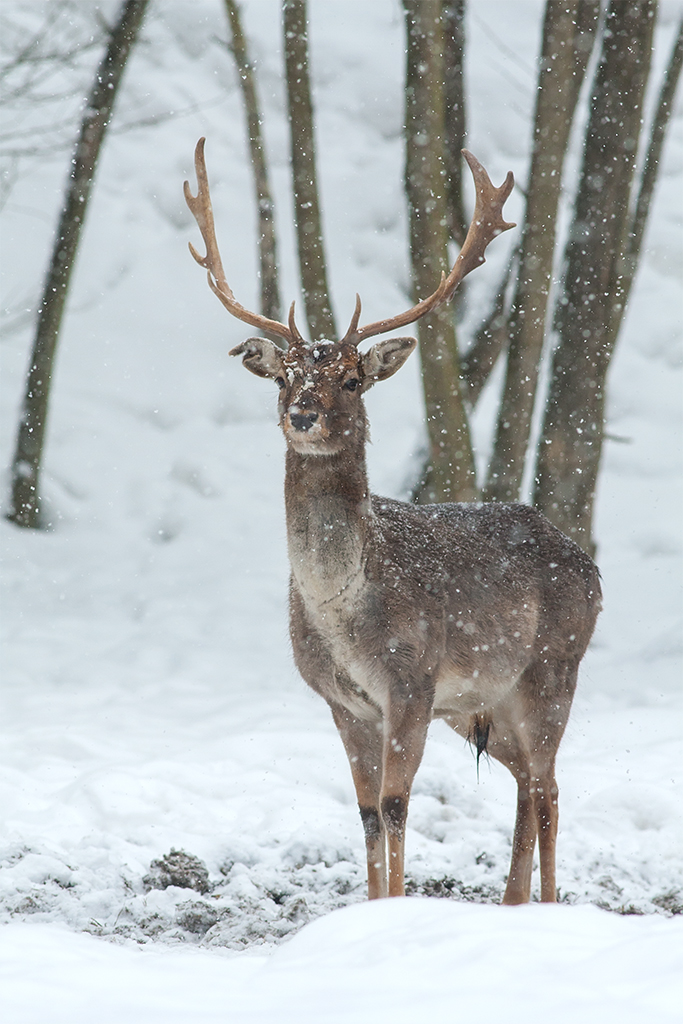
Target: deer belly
468	694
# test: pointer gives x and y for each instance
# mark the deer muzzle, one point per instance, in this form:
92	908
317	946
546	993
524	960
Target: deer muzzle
302	421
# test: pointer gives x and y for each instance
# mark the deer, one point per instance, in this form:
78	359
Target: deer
474	613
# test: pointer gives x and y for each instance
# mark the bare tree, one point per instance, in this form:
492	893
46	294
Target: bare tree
451	471
270	289
649	176
610	210
31	434
312	264
492	337
455	122
559	80
599	261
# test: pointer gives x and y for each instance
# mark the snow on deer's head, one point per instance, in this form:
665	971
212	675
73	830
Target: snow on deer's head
321	386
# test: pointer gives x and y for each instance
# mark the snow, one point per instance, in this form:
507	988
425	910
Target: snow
149	702
401	960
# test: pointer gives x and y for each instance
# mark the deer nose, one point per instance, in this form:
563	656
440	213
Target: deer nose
302	420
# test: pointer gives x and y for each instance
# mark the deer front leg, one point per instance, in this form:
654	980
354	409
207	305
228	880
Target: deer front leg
405	732
363	744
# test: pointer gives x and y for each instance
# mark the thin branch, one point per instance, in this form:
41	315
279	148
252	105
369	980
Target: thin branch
491	338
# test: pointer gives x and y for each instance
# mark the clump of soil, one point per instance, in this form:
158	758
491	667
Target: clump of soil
178	868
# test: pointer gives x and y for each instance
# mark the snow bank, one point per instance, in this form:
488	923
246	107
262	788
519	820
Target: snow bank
397	961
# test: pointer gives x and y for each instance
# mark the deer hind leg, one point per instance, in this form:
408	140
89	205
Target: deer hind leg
496	733
518	887
506	744
405	733
537	815
545	806
363	744
555	686
529	750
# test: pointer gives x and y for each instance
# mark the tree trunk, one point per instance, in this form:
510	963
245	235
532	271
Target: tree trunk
306	208
649	176
557	94
270	290
594	284
451	474
31	434
453	15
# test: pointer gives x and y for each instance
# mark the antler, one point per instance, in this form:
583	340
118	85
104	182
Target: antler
200	206
487	222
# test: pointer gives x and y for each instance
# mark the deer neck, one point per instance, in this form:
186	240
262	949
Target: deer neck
329	521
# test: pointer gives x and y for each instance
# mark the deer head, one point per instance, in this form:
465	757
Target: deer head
321	384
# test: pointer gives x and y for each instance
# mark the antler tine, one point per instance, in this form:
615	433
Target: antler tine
352	333
200	207
294	330
487	222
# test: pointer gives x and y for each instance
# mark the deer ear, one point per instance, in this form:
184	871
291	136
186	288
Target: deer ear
261	357
384	359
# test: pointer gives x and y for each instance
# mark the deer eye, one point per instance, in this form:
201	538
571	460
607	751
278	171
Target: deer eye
280	381
352	384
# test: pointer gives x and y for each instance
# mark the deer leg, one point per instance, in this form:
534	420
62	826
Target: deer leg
549	689
509	748
536	815
553	699
363	744
405	732
518	888
546	813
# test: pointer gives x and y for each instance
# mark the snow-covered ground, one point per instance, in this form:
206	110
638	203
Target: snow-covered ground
149	702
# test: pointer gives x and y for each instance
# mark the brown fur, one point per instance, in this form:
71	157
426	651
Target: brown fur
476	614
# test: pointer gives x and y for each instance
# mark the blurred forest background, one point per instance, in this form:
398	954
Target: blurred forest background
563	293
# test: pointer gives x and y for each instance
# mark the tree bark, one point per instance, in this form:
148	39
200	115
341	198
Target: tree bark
594	284
451	474
491	337
306	207
558	90
650	170
31	434
270	289
453	15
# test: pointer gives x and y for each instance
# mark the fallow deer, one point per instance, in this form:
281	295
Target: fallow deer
478	614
